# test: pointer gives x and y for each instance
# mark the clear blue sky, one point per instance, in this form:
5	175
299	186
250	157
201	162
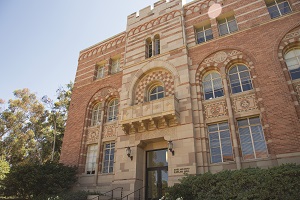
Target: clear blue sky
40	40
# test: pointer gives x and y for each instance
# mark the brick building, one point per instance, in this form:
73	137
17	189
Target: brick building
187	88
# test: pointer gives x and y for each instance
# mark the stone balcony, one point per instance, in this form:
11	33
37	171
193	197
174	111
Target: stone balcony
151	115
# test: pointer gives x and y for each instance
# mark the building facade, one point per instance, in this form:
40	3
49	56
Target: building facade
187	88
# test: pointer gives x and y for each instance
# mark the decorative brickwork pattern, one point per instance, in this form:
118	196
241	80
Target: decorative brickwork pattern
159	75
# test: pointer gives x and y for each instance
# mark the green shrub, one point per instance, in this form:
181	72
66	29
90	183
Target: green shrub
33	180
281	182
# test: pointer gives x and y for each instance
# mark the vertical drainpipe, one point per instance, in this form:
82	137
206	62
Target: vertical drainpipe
231	121
99	145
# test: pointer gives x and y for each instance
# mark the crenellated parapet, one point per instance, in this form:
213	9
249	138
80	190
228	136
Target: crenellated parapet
149	13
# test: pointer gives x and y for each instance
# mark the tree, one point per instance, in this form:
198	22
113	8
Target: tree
27	127
58	117
22	128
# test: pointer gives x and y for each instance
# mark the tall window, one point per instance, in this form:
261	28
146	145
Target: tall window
156	93
239	77
212	86
96	115
227	25
204	34
292	59
108	157
115	66
113	110
252	138
148	48
100	72
277	8
91	159
156	45
220	143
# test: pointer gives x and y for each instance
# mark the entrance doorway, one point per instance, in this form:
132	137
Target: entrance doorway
156	174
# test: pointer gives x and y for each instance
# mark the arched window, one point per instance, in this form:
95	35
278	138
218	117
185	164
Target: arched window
292	59
113	110
240	80
148	48
212	86
96	114
156	45
156	92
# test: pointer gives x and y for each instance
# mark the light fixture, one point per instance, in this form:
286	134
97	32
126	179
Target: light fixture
128	152
170	147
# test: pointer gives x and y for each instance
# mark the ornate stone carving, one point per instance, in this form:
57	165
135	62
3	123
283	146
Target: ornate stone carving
109	131
292	35
220	57
215	109
93	134
297	86
245	103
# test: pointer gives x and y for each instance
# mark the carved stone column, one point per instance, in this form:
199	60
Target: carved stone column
231	120
204	160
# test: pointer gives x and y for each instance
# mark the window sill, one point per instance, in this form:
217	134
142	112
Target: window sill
243	93
223	163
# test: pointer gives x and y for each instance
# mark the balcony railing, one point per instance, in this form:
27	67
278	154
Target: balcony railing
150	115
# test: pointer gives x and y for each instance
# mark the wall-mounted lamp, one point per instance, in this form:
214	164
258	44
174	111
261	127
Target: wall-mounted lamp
128	152
170	147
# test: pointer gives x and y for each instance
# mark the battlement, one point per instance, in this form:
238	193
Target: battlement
159	7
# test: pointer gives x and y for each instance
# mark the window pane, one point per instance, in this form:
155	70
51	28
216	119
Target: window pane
214	143
219	93
284	8
215	151
233	77
214	136
247	87
244	131
236	90
295	74
212	128
245	138
200	37
216	159
209	95
209	34
223	29
232	26
274	12
224	134
160	95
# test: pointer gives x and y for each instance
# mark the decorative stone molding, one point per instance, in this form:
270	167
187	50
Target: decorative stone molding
93	134
109	131
162	75
215	109
245	103
103	46
151	115
292	35
296	84
220	57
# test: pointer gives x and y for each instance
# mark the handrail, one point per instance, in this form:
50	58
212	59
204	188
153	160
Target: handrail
112	193
138	190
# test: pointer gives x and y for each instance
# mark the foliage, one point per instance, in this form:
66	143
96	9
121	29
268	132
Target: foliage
33	180
4	168
78	195
27	132
281	182
21	127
